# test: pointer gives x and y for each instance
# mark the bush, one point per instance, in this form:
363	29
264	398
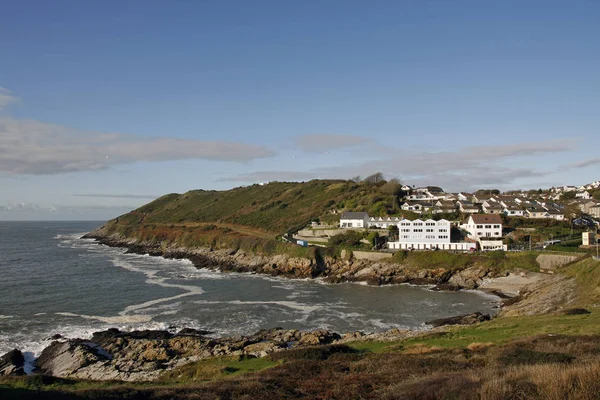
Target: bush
312	353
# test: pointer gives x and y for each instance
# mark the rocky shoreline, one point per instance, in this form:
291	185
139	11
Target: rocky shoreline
330	269
145	355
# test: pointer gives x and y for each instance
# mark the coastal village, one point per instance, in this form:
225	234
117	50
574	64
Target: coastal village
432	219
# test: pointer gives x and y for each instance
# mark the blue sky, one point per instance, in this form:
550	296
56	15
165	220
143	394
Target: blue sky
106	105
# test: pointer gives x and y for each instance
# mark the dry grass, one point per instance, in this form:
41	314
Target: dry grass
542	367
476	346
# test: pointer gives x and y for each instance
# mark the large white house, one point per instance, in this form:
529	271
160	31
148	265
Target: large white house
354	220
426	235
487	230
483	226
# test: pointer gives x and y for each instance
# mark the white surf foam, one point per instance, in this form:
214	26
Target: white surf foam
121	319
132	313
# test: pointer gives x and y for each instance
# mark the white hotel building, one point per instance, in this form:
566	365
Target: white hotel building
426	235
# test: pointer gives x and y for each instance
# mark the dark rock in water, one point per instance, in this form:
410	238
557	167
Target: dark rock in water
109	334
12	363
467	319
56	337
192	332
149	334
445	287
112	333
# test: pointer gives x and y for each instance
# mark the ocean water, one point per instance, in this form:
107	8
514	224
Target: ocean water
54	282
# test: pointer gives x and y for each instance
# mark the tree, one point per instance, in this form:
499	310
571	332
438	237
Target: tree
392	186
374	179
393	233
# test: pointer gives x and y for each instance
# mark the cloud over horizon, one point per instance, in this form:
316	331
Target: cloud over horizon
115	196
38	148
318	143
585	163
462	169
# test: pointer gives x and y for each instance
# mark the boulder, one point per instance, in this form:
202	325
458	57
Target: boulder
12	363
192	332
65	358
467	319
469	278
318	337
262	349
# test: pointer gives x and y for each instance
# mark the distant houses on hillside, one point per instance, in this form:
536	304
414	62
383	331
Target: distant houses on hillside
483	225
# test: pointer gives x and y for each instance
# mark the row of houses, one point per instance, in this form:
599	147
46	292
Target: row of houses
511	208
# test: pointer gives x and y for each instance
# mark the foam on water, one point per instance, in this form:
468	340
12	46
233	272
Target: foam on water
121	319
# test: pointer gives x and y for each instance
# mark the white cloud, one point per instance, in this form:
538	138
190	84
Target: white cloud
269	176
22	211
585	163
37	148
318	143
115	196
6	98
462	169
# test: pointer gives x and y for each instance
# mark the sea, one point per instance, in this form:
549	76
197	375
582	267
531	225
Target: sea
54	282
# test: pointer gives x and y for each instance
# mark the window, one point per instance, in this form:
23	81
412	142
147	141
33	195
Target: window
430	224
479	233
488	227
496	226
418	230
428	230
443	237
488	234
405	230
479	226
443	230
418	224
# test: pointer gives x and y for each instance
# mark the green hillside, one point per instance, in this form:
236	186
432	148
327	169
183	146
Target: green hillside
273	208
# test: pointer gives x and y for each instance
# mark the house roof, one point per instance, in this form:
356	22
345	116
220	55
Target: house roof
354	215
486	219
494	206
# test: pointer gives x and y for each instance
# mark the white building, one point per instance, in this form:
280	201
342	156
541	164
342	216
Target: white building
354	220
382	222
583	195
594	211
426	235
483	226
588	238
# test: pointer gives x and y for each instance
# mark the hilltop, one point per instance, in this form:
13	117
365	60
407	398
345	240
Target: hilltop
274	208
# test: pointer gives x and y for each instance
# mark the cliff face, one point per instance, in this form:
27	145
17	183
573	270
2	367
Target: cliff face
331	269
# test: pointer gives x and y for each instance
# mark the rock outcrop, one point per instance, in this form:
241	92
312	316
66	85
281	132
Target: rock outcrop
144	355
467	319
12	363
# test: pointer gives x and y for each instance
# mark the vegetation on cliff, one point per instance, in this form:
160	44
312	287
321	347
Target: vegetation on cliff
273	209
